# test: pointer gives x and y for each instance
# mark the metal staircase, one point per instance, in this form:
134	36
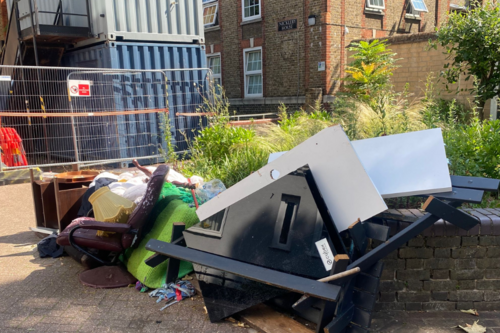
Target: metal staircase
47	25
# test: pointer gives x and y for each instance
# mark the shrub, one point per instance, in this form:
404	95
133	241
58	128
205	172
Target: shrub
474	150
216	141
232	153
472	44
438	112
369	72
292	129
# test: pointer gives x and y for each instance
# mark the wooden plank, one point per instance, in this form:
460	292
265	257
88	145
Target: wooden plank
364	300
269	321
376	270
327	313
328	308
478	183
394	242
49	205
492	211
356	329
483	211
450	214
462	195
417	212
358	236
340	321
155	260
362	318
68	202
339	174
407	212
340	263
376	231
310	308
174	264
393	214
271	277
367	283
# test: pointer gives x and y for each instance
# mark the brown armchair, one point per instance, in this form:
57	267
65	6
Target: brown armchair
81	234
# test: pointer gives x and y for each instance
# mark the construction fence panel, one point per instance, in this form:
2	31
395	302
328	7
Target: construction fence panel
95	116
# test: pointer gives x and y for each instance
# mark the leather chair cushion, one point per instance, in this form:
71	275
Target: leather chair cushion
88	238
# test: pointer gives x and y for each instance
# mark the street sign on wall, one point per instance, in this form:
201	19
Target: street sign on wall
287	25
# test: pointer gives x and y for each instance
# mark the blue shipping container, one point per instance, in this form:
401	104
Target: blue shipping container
186	88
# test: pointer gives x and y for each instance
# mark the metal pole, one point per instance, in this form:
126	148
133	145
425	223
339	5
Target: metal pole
20	43
73	127
40	89
37	18
34	34
89	19
62	12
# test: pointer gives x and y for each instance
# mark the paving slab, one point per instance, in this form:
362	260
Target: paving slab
44	295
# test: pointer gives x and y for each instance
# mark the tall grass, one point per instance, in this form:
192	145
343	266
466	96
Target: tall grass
220	151
230	154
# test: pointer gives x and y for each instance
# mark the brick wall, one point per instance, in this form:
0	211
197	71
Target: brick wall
284	51
445	269
291	58
229	23
417	62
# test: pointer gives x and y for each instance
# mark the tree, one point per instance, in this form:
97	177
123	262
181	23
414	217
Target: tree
371	69
472	42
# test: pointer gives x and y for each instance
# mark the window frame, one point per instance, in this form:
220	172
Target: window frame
210	232
215	55
416	10
248	73
368	5
251	18
207	5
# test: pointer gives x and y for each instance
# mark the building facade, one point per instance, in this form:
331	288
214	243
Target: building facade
268	52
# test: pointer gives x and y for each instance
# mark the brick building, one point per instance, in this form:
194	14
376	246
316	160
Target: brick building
267	52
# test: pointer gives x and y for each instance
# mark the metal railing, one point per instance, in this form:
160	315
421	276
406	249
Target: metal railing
269	115
53	13
97	116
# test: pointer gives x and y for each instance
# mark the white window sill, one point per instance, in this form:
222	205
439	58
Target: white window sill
254	97
208	29
373	11
250	21
413	17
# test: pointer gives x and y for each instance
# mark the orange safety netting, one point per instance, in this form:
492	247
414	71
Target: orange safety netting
11	148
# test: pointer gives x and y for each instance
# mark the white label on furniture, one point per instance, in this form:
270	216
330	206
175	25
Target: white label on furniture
325	253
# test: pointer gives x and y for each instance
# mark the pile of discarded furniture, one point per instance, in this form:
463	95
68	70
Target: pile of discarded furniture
296	232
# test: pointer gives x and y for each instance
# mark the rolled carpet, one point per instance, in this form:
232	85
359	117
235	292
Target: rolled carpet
172	210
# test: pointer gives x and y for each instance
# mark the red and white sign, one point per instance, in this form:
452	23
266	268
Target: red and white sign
79	88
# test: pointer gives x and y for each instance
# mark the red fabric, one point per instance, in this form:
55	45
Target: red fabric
178	294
